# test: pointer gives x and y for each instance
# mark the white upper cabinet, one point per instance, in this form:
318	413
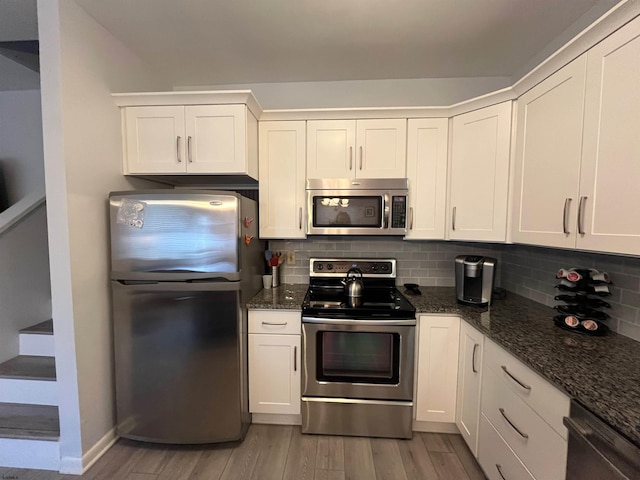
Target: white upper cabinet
357	148
548	156
479	179
282	179
192	139
577	169
610	175
427	175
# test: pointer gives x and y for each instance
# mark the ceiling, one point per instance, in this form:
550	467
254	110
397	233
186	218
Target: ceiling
218	42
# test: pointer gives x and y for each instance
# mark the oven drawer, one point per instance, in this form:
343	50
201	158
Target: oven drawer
275	322
536	444
549	402
496	458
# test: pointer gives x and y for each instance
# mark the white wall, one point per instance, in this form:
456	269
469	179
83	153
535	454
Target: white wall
21	142
420	92
81	65
24	280
14	76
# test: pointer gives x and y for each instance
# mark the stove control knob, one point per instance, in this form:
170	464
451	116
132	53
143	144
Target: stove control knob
329	266
319	266
384	267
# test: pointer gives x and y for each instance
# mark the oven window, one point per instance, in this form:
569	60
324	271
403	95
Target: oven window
358	357
338	211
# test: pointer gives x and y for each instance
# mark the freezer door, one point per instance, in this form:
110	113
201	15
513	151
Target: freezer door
180	362
187	235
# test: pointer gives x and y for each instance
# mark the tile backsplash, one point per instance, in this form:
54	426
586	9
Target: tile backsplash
527	271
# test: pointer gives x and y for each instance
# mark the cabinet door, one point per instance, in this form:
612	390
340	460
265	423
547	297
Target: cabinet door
610	174
331	148
282	179
216	136
427	174
479	180
469	383
548	156
381	148
437	368
274	374
155	140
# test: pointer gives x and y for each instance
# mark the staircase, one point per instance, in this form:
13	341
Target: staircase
29	424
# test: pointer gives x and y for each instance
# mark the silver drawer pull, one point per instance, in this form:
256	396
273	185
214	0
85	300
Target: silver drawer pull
523	385
523	435
499	468
275	324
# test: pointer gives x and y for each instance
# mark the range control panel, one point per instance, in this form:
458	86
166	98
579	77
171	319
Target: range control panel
379	268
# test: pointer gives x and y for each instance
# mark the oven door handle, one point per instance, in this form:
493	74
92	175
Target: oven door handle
353	321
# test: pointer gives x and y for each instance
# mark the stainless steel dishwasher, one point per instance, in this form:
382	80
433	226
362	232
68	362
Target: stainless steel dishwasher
596	451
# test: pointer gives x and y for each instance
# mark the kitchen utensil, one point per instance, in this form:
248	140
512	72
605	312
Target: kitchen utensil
354	286
268	255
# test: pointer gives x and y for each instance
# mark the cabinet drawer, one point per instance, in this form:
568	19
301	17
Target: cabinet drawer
496	458
549	402
538	446
275	321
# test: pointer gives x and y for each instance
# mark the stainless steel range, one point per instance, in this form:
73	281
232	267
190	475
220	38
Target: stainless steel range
358	350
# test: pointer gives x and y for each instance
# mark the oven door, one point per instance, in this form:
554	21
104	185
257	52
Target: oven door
358	359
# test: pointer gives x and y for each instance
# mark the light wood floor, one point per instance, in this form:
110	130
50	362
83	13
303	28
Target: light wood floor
282	452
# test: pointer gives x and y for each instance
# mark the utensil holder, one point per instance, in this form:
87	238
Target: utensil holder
275	276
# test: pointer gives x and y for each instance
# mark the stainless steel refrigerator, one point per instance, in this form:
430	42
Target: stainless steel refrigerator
183	265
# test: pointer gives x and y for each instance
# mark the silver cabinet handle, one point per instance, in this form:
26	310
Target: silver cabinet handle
565	216
411	218
581	215
295	358
300	218
360	157
453	219
178	138
523	435
499	468
523	385
350	158
473	358
189	149
275	324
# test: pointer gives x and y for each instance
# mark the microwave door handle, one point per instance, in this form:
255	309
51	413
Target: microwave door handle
385	211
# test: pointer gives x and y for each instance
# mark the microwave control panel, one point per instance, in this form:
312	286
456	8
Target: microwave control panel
398	211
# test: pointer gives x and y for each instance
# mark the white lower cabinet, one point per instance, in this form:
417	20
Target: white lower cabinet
496	458
522	409
274	362
469	384
437	368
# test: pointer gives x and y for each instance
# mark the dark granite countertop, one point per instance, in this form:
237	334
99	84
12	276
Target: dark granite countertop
602	373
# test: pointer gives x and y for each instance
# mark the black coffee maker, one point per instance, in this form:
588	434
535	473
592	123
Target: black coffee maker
474	279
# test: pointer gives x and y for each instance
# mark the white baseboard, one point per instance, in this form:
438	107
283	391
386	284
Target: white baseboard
33	454
435	427
273	419
78	466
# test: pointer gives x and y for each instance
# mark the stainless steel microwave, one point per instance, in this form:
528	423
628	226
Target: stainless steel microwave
343	206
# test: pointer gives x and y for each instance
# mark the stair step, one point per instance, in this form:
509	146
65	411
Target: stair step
42	328
37	344
29	367
35	422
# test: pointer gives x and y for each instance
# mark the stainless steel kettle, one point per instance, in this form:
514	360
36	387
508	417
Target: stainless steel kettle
353	286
